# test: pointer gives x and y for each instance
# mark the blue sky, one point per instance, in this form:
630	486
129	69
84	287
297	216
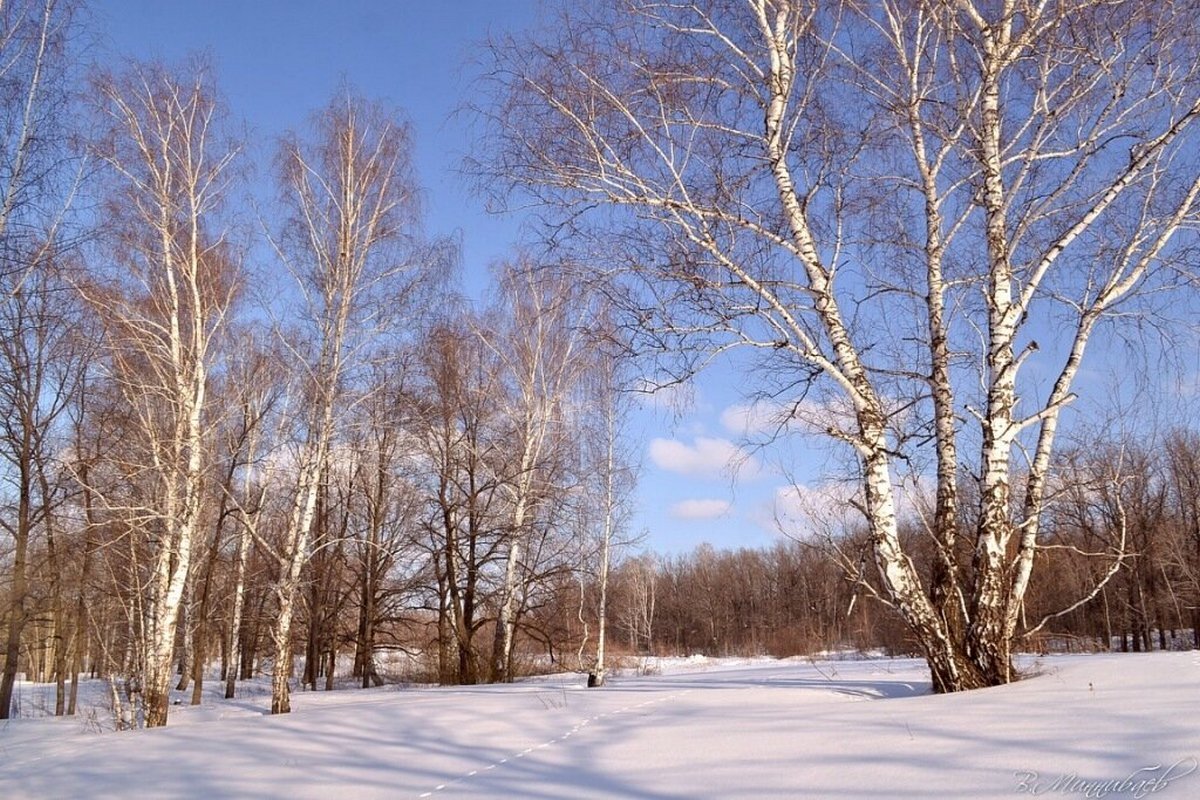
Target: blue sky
278	60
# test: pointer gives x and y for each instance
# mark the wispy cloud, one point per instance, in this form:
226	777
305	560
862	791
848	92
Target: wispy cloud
700	509
834	507
754	419
809	416
705	457
818	509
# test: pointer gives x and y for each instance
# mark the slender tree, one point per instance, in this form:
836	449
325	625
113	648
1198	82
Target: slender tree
259	388
42	364
34	197
543	352
610	467
34	193
170	166
350	198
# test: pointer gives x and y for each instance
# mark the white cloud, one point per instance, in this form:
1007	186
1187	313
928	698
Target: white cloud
1187	387
752	419
700	509
706	457
832	413
766	417
822	508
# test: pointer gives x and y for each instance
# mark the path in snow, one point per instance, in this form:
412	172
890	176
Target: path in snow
579	726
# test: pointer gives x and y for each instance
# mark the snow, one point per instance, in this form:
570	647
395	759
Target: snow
1080	726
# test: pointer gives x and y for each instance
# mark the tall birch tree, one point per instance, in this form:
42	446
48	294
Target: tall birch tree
543	352
34	104
611	475
170	166
908	210
350	199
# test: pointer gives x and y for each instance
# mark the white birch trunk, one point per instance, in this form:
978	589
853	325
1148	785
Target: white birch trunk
295	554
161	151
348	199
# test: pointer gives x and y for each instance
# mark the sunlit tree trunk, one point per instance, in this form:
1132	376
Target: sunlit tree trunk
169	167
350	199
542	357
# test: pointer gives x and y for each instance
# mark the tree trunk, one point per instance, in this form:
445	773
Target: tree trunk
365	656
235	623
58	616
503	640
186	653
201	633
89	544
17	616
281	667
296	553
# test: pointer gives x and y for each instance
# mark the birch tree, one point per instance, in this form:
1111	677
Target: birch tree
350	200
258	391
542	350
34	193
908	210
170	165
611	471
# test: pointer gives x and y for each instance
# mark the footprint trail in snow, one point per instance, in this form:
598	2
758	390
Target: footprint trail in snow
576	729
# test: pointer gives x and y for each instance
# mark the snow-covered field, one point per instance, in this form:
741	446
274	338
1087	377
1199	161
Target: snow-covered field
1083	726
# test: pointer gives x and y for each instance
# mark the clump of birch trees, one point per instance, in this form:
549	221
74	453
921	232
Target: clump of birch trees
279	442
921	213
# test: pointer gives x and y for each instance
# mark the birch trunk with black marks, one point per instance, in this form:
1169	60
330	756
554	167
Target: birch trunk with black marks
540	354
350	196
170	167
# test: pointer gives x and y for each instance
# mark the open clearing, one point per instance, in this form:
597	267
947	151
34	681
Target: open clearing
702	728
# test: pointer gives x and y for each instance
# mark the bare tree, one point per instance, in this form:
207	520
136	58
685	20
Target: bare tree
637	588
461	430
542	349
34	196
34	36
259	387
608	464
92	433
1183	475
386	470
41	368
350	242
170	165
897	208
